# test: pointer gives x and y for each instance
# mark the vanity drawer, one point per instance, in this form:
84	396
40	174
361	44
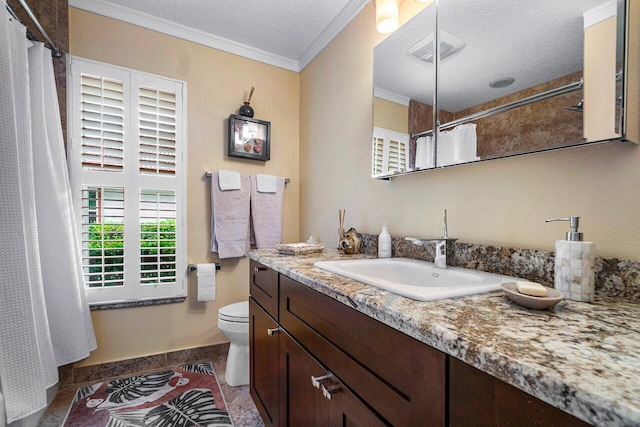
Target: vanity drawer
401	378
263	287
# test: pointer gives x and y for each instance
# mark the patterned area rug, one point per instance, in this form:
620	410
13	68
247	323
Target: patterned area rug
187	396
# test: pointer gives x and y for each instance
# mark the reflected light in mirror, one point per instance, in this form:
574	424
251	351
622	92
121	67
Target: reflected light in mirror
386	16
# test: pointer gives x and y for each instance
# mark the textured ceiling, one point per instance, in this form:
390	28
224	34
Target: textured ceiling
532	41
282	27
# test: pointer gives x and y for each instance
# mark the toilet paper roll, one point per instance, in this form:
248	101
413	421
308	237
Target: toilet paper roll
206	282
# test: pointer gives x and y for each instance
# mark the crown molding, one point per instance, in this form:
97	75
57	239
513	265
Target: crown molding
600	13
141	19
346	15
390	96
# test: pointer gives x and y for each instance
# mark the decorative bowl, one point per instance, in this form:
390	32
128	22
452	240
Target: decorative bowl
553	297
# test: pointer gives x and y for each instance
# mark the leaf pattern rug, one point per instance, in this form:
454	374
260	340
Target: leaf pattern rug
187	396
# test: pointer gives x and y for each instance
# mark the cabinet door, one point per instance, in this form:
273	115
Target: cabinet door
328	403
477	398
263	353
301	404
347	410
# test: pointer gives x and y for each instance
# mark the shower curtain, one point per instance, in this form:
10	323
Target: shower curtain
44	316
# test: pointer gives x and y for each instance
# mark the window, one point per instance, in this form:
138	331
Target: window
390	152
126	157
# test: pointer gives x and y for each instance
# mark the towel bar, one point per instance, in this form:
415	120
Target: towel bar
208	175
193	267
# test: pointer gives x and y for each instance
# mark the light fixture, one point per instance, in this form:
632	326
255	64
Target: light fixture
502	82
386	16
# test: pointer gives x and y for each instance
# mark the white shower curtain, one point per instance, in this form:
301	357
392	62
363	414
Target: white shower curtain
44	316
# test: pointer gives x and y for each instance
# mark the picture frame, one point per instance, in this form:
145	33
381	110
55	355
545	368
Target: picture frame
249	138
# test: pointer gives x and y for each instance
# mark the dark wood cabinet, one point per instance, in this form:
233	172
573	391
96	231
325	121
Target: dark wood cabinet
392	372
263	342
301	404
312	396
263	364
288	385
318	362
478	399
263	287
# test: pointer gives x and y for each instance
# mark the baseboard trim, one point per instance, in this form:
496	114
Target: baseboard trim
104	371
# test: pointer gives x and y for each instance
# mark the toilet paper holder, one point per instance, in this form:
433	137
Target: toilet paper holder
194	267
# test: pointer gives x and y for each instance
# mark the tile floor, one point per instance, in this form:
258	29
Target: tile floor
241	408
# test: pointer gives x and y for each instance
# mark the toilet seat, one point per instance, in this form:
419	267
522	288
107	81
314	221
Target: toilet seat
238	312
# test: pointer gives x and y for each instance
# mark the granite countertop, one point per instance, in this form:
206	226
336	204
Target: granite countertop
579	357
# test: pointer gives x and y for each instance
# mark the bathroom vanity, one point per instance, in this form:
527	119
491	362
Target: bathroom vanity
326	350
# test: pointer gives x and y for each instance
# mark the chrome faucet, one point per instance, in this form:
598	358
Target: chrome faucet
440	259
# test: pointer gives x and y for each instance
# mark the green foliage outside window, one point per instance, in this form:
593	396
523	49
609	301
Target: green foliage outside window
106	244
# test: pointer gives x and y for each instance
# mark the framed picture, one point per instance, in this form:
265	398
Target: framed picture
249	138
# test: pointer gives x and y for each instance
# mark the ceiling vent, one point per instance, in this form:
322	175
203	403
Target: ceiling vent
422	50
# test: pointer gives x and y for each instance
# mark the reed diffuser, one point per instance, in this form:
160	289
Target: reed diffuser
341	214
246	110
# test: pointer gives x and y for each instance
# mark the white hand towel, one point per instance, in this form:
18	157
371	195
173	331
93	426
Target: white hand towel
206	282
267	183
468	140
229	180
424	152
445	148
266	215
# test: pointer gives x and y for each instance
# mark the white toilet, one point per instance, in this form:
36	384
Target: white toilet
233	321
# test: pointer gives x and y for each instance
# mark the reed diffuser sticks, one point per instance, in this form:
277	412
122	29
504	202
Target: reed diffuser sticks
341	214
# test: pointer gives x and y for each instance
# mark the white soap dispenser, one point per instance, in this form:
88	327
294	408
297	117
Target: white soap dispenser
575	264
384	243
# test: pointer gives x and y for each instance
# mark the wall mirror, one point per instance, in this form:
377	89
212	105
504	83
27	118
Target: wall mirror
509	78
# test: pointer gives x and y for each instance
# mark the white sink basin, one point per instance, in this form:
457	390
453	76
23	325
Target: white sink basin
419	280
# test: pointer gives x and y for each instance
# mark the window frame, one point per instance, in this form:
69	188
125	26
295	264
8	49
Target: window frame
130	178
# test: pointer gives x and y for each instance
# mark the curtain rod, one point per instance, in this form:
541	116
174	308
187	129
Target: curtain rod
55	51
506	107
208	175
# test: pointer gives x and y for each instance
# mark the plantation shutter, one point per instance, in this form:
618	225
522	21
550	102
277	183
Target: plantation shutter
376	155
126	166
103	236
157	127
102	123
397	157
390	153
157	237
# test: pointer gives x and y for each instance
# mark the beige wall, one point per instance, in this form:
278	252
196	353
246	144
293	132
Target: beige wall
217	83
599	68
500	202
389	115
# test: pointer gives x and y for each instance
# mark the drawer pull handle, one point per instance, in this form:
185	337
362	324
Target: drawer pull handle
258	269
328	392
273	331
317	381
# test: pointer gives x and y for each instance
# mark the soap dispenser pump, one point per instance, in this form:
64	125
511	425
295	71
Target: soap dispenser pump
575	264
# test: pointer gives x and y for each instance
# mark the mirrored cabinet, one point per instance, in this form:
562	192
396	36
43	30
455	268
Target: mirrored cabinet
466	81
